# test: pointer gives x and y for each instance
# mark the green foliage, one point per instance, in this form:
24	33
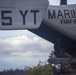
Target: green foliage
40	70
37	70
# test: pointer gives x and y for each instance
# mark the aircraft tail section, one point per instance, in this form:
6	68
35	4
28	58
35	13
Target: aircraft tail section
22	14
63	19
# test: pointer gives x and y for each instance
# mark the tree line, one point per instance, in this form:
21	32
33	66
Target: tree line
37	70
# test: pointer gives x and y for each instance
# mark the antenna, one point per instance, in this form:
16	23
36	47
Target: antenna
63	2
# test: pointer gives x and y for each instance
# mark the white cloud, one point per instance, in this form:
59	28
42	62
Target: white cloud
22	50
22	44
57	2
54	2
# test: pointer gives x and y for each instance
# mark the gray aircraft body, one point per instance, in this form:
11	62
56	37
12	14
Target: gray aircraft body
48	21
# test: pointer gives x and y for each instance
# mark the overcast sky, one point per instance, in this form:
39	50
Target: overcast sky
57	2
21	47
